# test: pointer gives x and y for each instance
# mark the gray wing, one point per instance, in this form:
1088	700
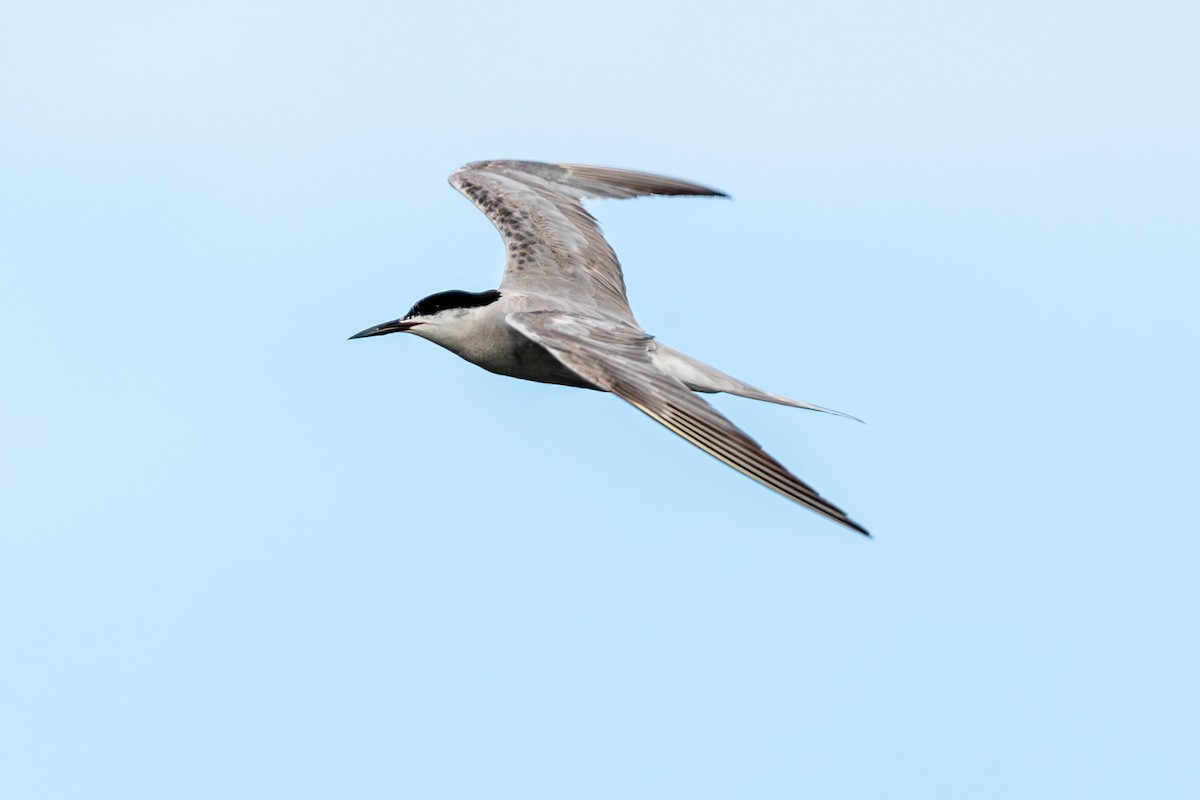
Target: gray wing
615	357
555	248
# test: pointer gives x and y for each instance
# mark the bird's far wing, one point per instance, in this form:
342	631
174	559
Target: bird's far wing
615	357
555	248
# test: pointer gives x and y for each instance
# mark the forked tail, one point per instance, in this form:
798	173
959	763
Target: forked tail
700	377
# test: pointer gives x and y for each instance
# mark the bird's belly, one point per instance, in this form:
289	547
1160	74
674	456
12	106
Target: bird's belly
519	357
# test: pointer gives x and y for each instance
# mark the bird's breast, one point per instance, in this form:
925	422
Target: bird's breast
528	360
492	344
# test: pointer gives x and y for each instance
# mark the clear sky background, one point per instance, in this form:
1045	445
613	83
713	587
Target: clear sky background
244	558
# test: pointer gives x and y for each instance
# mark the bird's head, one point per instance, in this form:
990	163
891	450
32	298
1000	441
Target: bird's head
433	312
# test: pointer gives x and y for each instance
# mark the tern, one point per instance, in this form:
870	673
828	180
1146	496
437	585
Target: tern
561	315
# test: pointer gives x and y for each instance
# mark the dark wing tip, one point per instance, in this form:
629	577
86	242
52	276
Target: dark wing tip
852	524
587	180
609	181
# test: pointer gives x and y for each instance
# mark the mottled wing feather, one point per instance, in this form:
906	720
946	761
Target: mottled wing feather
555	247
615	357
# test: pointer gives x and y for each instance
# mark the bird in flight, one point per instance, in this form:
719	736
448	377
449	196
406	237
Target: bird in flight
561	316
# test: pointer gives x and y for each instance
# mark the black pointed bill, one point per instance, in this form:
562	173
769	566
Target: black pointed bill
395	326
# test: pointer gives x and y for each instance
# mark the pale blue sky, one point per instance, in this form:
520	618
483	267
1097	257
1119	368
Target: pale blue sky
245	558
